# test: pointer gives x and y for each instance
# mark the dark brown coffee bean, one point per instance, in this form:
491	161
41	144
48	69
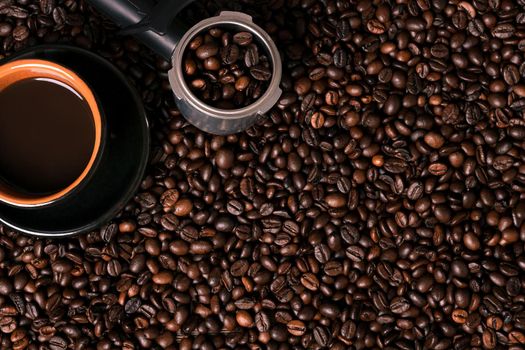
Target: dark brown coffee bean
182	207
296	328
471	241
317	120
132	305
350	234
262	321
261	73
243	38
57	343
476	27
206	51
322	253
516	337
375	27
355	253
245	303
340	58
344	184
224	158
251	56
114	268
434	140
212	64
321	336
200	247
489	338
395	165
239	268
20	33
451	114
415	191
163	277
333	268
230	54
511	74
503	31
437	169
335	200
459	316
398	305
513	286
244	319
310	281
169	198
235	207
5	29
242	83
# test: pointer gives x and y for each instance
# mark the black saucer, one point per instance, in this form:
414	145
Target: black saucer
122	164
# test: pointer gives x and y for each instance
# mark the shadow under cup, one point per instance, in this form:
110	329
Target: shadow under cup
25	69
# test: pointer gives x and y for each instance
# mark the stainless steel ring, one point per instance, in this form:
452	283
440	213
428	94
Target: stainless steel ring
215	120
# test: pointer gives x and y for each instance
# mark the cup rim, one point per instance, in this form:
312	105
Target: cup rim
29	68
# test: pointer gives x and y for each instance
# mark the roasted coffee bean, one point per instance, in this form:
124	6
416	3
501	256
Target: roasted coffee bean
374	26
344	184
261	73
296	327
262	321
434	140
243	38
489	338
350	234
451	114
399	305
317	120
20	33
5	29
239	268
132	305
163	277
503	31
335	200
322	253
321	336
355	253
245	303
459	316
57	343
244	319
230	54
206	51
251	56
511	74
310	281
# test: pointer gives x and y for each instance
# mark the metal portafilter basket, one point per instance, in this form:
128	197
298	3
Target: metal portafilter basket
157	27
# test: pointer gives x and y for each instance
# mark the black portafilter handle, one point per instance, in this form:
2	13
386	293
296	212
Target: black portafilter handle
154	25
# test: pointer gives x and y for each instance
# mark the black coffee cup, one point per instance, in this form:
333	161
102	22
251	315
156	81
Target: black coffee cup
119	163
43	152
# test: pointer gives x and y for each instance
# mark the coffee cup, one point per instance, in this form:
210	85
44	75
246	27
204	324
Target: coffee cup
94	138
51	132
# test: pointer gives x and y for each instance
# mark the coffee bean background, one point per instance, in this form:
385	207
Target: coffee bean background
379	205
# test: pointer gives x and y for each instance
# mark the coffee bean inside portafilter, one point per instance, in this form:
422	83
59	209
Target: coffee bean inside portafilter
227	69
379	206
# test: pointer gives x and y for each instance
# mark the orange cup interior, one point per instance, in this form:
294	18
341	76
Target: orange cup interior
17	70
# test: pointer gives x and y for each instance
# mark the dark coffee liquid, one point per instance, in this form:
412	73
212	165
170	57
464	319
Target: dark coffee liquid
47	135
